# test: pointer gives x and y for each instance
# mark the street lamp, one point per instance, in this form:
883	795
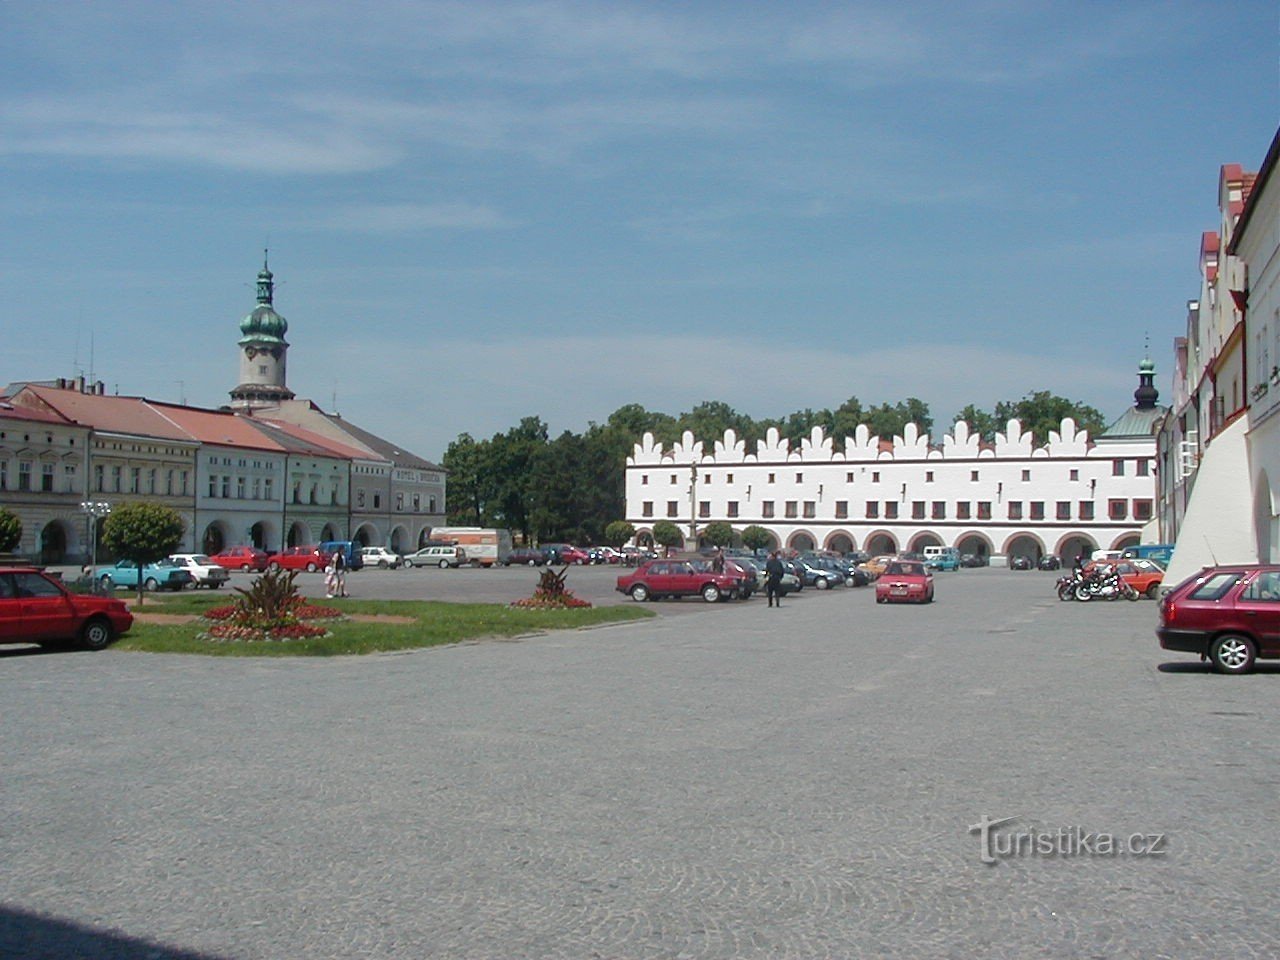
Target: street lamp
693	505
94	510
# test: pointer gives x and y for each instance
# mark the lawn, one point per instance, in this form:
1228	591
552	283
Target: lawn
383	625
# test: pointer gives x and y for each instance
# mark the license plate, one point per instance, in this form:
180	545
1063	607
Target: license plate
898	591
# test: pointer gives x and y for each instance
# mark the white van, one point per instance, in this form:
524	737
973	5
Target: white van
438	556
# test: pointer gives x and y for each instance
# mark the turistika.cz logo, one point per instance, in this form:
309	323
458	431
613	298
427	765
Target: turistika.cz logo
996	844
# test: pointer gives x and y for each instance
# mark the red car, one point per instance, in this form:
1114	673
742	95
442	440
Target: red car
905	581
35	608
310	559
1145	576
242	558
677	578
1229	615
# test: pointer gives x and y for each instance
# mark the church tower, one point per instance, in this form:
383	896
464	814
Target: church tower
263	350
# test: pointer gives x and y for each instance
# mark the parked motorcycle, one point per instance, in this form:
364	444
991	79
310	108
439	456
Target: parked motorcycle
1105	587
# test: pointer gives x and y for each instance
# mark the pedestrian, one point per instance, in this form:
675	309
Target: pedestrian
340	573
330	577
773	571
717	563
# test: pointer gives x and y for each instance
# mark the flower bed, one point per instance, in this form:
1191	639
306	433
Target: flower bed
230	632
551	594
270	610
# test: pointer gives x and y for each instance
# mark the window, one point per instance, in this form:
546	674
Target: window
46	477
1015	509
1037	509
939	510
262	370
1026	476
842	509
704	508
1075	475
728	478
431	506
928	476
377	501
239	488
673	478
1144	468
917	510
226	487
99	479
1064	509
1142	510
1086	509
24	475
848	477
799	478
766	509
646	508
875	476
984	509
810	509
891	509
359	498
257	488
644	479
68	478
873	509
117	475
673	508
1118	509
771	478
732	508
1265	588
417	500
297	491
186	479
792	510
1215	588
213	486
135	479
1117	468
706	478
962	510
266	486
151	481
168	482
399	501
973	476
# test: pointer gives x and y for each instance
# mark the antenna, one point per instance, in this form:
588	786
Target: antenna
182	392
92	378
1210	546
333	405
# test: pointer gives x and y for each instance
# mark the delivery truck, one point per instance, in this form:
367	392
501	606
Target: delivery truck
485	546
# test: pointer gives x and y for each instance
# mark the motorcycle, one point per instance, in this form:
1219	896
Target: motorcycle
1105	587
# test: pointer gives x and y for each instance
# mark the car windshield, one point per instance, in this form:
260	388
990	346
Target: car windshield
201	559
1215	587
906	569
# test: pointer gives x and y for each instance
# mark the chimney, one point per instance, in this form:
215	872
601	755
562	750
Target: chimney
62	383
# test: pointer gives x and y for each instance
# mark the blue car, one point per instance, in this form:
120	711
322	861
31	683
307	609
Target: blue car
163	575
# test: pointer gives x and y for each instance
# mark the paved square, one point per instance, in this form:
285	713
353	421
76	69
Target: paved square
729	782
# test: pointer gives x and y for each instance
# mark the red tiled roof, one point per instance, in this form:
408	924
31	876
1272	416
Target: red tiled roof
213	426
109	413
304	438
9	412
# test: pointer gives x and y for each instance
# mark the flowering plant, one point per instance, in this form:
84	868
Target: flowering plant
551	594
271	609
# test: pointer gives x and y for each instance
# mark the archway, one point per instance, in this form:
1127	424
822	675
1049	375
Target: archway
1024	545
299	534
840	543
214	539
53	543
365	535
328	533
922	540
1127	541
974	543
802	542
881	544
258	536
1073	545
644	539
399	537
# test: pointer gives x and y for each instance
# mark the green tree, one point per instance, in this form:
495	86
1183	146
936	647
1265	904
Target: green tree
618	532
710	419
142	533
10	531
1043	411
666	534
718	534
980	422
464	461
887	421
756	537
847	417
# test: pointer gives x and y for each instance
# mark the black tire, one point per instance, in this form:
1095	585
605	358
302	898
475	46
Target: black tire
1153	592
640	593
880	599
444	564
311	568
408	564
151	584
215	585
273	565
533	563
710	593
1082	593
822	583
106	582
96	634
382	564
1232	653
244	568
1067	592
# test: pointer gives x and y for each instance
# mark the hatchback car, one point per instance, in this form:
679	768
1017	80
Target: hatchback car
161	575
298	558
1229	615
905	581
380	557
524	557
242	558
677	578
36	608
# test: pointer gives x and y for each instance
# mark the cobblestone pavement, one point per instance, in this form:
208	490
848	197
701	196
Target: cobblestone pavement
731	781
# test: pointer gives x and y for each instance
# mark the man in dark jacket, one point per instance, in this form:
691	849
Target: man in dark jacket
773	571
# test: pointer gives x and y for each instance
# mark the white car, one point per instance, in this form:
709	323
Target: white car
204	572
380	557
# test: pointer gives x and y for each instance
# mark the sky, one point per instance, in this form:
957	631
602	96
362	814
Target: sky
482	211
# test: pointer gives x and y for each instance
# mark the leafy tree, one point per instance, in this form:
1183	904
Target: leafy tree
10	531
618	532
800	424
142	533
847	417
980	422
666	534
710	419
463	459
887	421
1043	411
718	534
756	537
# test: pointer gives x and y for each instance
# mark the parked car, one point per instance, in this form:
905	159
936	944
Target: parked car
161	575
972	560
241	558
1020	562
442	557
350	550
1229	615
564	553
604	555
876	566
1145	576
380	557
204	572
942	558
744	578
655	579
309	558
36	608
1050	561
526	557
905	581
820	575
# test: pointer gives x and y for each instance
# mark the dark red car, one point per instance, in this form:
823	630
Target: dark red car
36	608
905	581
1229	615
242	558
677	578
298	558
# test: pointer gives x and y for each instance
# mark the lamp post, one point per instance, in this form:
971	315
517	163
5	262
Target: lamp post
693	506
94	510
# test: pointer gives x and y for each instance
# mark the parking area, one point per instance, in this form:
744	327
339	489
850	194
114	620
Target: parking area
722	781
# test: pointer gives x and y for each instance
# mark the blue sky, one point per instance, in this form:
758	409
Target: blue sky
483	211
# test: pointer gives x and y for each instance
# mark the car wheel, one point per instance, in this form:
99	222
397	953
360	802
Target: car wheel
106	582
244	567
822	583
215	585
1232	653
311	568
382	564
96	634
533	563
711	593
270	566
880	599
151	584
444	564
408	564
640	593
1153	592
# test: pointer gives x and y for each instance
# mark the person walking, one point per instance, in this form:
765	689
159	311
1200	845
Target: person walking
717	563
773	571
330	578
340	573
